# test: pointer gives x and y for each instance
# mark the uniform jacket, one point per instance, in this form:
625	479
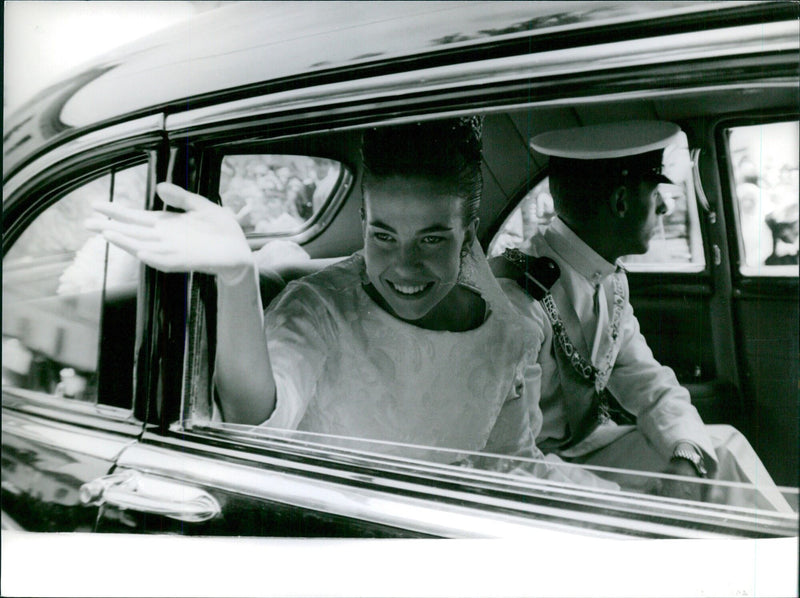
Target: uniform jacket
644	387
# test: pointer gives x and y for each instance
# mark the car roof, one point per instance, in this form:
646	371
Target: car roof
225	53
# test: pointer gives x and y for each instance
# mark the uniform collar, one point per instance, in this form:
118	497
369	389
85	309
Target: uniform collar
585	260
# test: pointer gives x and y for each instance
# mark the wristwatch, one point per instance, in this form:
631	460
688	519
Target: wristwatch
692	456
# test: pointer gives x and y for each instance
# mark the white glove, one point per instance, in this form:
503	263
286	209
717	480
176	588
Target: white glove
279	252
204	238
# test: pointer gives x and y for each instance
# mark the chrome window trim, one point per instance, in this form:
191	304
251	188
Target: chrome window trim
70	411
449	519
400	476
100	443
653	93
751	40
89	141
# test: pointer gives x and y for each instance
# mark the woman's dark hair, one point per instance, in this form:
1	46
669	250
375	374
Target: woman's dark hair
446	152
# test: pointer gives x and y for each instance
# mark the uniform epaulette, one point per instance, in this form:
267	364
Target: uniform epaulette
534	274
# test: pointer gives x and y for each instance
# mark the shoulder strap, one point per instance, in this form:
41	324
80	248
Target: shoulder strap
536	275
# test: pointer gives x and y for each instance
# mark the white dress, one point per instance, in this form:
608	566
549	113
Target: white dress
344	366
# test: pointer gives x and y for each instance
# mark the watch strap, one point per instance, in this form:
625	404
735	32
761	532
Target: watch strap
693	457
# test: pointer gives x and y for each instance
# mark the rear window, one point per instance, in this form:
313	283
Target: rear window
275	194
764	160
676	247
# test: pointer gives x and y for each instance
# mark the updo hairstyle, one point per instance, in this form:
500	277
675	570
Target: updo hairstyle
445	152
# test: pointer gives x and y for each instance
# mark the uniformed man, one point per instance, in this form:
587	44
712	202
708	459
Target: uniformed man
605	184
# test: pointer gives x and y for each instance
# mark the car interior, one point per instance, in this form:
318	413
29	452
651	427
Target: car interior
686	313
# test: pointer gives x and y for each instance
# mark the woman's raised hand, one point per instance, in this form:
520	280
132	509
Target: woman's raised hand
204	237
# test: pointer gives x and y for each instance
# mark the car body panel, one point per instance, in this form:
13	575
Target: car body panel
372	37
48	455
312	489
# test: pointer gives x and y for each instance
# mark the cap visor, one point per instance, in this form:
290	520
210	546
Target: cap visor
659	178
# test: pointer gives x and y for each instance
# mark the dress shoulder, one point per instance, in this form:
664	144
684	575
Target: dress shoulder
340	276
329	283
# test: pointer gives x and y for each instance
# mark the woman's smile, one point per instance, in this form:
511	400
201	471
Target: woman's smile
410	290
413	238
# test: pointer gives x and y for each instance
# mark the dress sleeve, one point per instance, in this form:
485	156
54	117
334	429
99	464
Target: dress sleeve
520	418
513	432
298	326
650	391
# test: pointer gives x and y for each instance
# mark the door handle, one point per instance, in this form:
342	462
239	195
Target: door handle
136	491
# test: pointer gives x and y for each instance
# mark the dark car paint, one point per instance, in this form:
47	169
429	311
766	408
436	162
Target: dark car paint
119	87
48	455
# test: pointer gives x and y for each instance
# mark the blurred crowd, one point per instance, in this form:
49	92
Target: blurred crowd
276	193
768	210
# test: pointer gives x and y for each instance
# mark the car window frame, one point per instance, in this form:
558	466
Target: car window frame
47	187
293	113
781	276
196	425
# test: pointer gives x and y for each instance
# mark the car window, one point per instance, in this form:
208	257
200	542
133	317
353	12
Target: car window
533	214
276	194
764	160
676	247
65	290
523	477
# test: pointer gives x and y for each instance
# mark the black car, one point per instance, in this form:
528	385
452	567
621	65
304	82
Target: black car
108	420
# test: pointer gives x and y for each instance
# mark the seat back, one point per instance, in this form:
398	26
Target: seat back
273	280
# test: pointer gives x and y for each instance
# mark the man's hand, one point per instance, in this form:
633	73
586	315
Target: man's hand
204	237
685	490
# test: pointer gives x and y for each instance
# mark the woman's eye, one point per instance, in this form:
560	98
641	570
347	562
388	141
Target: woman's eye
432	240
382	237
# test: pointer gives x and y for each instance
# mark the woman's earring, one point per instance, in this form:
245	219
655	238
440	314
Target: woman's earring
464	267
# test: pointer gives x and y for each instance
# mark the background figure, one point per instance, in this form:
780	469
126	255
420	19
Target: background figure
274	193
766	176
783	224
604	180
756	235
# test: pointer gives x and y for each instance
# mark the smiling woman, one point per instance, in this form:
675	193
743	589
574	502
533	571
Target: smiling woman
421	189
384	319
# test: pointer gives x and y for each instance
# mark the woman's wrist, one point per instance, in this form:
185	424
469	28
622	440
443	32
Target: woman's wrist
234	275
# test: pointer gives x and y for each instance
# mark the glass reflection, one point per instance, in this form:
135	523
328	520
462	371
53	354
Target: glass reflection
637	493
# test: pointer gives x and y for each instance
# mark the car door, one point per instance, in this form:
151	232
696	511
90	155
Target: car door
193	474
758	162
70	307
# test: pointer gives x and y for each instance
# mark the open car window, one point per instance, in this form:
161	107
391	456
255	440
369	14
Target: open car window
275	194
249	182
764	161
69	299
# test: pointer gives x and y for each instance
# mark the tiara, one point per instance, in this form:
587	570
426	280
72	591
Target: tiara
475	123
